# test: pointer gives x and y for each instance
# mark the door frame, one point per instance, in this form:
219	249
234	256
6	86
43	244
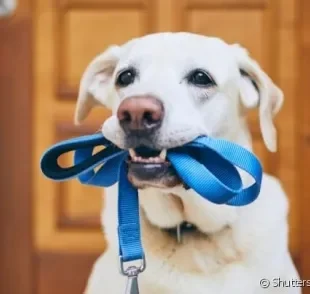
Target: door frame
303	136
16	248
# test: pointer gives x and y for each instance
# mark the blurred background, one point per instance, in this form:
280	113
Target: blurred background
49	232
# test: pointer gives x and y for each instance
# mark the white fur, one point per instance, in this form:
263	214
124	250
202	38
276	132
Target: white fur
240	245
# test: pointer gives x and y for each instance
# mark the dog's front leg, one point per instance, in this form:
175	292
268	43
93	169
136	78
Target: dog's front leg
236	281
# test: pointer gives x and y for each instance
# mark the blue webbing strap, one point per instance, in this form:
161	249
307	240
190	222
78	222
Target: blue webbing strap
205	165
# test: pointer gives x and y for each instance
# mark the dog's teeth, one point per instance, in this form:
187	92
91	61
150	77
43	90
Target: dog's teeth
158	159
163	154
132	153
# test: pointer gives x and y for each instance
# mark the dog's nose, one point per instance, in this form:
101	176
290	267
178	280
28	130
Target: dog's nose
140	114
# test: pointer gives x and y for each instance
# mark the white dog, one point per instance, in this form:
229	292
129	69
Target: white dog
164	90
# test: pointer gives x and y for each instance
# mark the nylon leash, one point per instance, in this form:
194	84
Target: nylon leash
206	165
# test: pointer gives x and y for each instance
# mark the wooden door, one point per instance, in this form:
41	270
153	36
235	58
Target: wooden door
67	35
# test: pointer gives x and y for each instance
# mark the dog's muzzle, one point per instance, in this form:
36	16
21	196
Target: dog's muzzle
141	117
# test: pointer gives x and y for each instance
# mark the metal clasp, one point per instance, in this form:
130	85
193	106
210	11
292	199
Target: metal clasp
132	272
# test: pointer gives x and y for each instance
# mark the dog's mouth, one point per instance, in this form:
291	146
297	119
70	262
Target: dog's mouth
151	168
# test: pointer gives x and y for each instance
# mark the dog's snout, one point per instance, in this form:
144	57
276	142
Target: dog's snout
142	114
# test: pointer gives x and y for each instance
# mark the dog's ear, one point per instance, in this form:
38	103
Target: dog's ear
96	83
258	90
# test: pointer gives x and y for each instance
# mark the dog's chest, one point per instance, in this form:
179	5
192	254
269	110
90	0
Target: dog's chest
199	264
165	278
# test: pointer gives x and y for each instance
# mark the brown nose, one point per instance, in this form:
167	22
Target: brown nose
140	114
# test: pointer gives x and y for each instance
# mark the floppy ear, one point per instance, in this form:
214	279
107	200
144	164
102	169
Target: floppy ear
96	83
258	90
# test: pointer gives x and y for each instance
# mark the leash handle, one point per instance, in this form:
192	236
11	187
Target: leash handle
205	165
83	161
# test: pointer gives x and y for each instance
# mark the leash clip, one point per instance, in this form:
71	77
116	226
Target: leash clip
132	272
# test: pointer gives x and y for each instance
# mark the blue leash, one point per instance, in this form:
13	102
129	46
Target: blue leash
205	165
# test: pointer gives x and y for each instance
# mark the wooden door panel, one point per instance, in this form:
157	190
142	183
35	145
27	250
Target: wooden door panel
226	4
86	28
231	27
87	32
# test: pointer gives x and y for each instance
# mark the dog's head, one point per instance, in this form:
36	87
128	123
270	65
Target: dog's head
166	89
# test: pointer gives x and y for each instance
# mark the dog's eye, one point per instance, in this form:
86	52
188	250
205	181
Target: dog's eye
200	78
126	77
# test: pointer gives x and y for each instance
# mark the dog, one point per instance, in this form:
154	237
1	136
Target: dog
165	90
